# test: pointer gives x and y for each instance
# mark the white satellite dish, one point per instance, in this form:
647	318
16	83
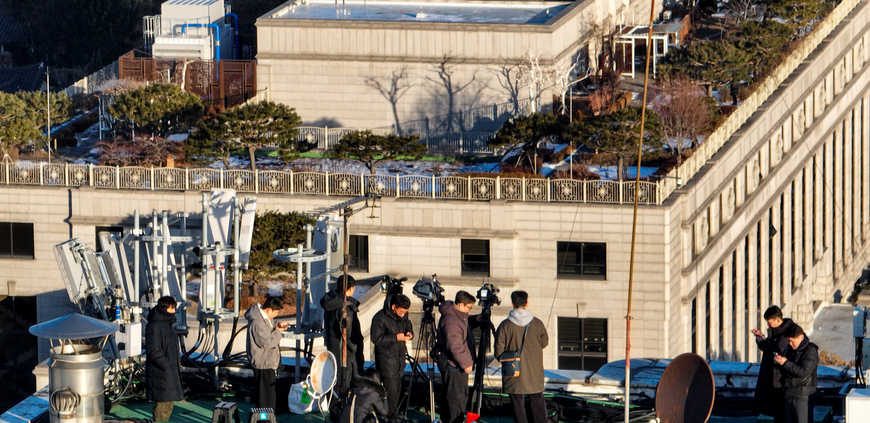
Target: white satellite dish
316	388
321	378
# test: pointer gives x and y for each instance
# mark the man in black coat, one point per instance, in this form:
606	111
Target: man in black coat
332	306
162	366
768	390
368	398
800	364
390	329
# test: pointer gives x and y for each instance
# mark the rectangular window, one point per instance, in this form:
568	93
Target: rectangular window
475	257
586	260
707	334
582	343
19	354
16	240
359	253
695	325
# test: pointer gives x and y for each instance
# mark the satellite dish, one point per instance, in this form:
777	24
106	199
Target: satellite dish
686	391
321	378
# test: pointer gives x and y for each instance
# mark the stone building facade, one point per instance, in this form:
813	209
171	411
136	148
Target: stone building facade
325	64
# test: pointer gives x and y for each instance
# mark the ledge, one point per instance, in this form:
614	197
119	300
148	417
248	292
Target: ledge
413	231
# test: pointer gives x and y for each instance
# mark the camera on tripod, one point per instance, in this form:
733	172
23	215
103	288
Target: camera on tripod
430	291
487	296
392	286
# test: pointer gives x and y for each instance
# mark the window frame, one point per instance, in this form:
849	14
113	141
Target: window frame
356	259
562	249
465	265
582	341
14	234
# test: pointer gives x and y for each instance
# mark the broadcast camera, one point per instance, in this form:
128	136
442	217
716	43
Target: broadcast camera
488	296
392	286
430	291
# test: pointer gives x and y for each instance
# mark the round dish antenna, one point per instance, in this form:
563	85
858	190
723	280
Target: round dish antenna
323	372
686	391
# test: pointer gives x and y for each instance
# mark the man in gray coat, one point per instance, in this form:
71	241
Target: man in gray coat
264	337
511	336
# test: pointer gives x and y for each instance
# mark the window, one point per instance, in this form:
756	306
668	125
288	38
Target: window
359	253
582	343
16	240
475	257
19	353
587	260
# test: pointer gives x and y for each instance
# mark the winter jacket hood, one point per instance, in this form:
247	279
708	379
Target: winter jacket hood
263	340
520	316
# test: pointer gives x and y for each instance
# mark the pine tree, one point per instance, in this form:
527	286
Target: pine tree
18	125
618	133
370	149
710	63
526	131
157	108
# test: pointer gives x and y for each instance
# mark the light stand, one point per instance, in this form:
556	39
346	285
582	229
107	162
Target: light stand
424	343
485	341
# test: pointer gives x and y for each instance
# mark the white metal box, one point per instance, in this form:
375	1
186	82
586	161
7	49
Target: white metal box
129	340
857	405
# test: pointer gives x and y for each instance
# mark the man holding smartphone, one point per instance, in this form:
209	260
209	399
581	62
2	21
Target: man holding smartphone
768	388
264	338
390	330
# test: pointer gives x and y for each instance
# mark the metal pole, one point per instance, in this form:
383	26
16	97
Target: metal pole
48	112
634	218
298	328
164	272
237	273
183	254
203	284
136	293
155	269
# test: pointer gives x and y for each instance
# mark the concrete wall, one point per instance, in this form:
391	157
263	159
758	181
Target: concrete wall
321	67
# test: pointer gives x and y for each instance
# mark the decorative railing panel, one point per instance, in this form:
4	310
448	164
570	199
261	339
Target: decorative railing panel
345	184
451	187
381	185
309	183
455	187
415	186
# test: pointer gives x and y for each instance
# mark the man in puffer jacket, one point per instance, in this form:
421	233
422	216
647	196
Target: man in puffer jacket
768	390
368	400
162	367
510	336
264	337
332	303
390	329
456	341
800	364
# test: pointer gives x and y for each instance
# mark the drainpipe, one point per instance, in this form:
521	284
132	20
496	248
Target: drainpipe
235	33
217	37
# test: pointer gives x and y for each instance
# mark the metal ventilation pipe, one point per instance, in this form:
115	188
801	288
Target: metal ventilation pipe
75	375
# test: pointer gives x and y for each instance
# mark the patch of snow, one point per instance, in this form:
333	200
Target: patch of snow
177	137
481	167
95	152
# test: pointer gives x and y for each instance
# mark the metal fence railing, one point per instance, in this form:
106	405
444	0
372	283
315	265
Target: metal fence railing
454	187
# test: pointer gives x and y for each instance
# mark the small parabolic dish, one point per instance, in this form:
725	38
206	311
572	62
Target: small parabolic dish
323	371
686	391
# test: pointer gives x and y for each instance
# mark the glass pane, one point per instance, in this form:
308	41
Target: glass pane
22	240
569	330
571	362
475	257
593	363
5	239
568	258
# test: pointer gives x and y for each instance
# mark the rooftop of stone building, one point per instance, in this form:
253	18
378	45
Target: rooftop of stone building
519	13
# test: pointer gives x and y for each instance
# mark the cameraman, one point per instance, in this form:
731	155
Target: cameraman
456	342
332	307
390	329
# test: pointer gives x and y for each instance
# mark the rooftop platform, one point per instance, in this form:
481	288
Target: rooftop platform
517	13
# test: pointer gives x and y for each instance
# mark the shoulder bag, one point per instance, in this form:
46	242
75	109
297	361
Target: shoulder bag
510	360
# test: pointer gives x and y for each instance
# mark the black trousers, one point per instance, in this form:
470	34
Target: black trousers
265	392
539	407
456	387
797	410
393	386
